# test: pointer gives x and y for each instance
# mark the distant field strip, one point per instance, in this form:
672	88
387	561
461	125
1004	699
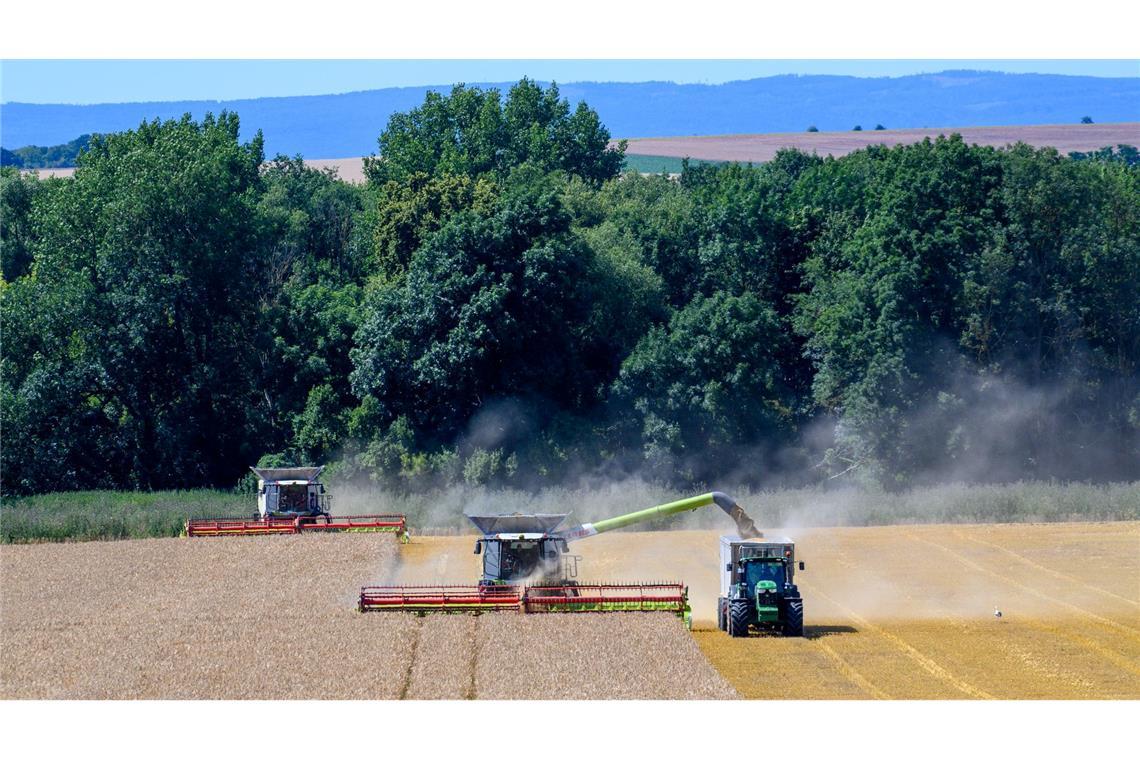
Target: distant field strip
763	147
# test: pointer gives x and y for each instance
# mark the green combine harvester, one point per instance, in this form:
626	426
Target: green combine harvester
527	566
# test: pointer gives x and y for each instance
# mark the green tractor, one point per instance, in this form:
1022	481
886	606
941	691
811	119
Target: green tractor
757	588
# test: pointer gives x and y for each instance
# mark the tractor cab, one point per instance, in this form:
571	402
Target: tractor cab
520	548
755	571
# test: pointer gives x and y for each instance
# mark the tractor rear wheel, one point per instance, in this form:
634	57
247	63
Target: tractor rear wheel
738	618
794	618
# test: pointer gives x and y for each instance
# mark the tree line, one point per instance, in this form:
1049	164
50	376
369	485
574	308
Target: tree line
51	157
498	303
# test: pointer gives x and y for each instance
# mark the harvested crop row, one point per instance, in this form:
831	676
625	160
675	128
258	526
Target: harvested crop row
234	618
444	658
592	656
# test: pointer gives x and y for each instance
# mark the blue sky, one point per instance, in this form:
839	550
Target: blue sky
118	81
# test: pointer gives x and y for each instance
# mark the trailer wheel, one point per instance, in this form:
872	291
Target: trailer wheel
794	618
738	618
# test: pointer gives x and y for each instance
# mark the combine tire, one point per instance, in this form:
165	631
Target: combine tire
794	618
721	616
738	618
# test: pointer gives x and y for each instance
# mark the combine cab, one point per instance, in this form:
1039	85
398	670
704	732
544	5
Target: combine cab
527	567
293	500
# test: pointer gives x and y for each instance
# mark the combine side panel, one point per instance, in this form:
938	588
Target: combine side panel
440	598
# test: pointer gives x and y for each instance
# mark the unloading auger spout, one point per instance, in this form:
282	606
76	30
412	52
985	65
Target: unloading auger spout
744	524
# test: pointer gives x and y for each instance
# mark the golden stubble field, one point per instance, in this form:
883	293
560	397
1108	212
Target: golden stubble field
902	612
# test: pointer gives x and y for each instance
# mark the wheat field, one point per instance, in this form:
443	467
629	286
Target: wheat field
273	617
901	612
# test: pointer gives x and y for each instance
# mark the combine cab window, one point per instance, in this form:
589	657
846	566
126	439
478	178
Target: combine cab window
293	499
520	558
756	571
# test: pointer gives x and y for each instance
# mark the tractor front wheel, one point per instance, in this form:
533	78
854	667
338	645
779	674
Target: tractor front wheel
738	618
794	618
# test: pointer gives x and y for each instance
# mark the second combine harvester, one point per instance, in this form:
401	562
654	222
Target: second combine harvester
293	500
527	567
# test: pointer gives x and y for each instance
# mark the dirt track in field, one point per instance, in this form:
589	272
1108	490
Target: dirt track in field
903	612
763	147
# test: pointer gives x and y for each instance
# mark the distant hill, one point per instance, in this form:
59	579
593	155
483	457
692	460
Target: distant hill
335	126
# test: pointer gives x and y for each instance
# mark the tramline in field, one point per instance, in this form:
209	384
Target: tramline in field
293	500
527	567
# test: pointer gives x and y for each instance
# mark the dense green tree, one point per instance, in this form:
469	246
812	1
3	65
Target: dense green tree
747	239
141	268
309	306
16	194
403	214
491	307
311	219
475	132
1053	304
707	391
953	319
656	219
882	297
